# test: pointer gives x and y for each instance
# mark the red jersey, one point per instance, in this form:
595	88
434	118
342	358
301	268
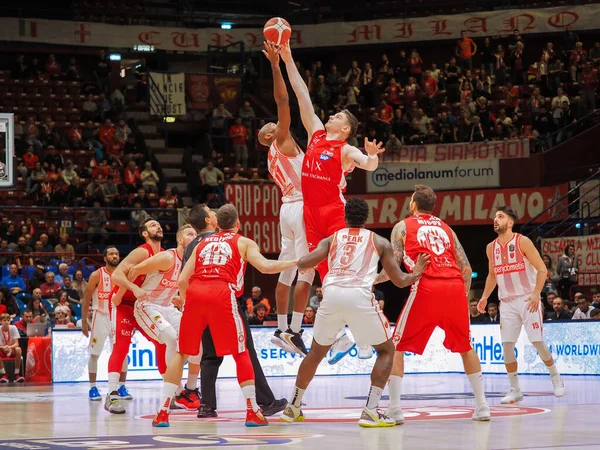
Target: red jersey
428	234
218	258
323	177
128	297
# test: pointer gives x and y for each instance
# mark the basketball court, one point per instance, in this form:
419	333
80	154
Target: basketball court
437	408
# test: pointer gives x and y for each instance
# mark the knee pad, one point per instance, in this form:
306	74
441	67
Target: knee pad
509	352
93	364
543	350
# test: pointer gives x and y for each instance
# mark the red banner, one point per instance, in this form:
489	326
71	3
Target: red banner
258	206
206	91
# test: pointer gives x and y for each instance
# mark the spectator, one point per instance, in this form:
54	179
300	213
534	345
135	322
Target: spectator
352	77
309	316
429	88
567	269
474	314
94	191
415	66
115	149
69	175
46	247
219	116
258	315
10	349
104	107
519	67
53	158
13	281
132	177
393	146
149	178
107	132
465	49
594	54
142	199
239	135
134	151
315	300
552	277
392	92
453	81
123	131
477	134
26	319
32	133
35	179
62	318
65	250
53	236
334	81
53	68
40	315
89	109
401	70
30	158
514	40
322	93
168	199
596	299
385	112
246	112
35	69
487	56
19	70
79	284
493	316
211	178
50	288
421	122
239	174
584	311
110	191
8	304
255	299
577	59
499	66
367	86
446	129
588	83
75	138
138	215
559	313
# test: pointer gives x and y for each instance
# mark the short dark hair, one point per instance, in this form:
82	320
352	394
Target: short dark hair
508	211
144	225
356	212
227	217
353	121
582	297
595	312
424	198
198	216
105	252
473	300
28	311
567	247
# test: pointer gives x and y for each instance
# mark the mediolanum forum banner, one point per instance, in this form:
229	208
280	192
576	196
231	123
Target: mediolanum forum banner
575	347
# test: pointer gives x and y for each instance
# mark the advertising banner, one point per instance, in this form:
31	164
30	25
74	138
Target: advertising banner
575	347
414	29
587	252
168	89
402	177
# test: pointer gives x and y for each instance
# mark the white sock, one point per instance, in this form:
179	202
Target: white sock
395	387
296	321
168	393
2	372
192	381
476	381
513	378
297	399
92	385
113	381
374	397
179	389
250	394
282	324
17	370
553	370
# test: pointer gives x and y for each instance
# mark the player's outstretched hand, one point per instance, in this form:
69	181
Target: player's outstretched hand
422	263
373	148
533	304
271	52
285	52
481	305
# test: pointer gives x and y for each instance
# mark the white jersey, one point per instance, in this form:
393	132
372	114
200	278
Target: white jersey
162	286
352	259
101	295
514	273
287	173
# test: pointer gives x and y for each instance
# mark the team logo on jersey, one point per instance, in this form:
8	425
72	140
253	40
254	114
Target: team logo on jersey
511	248
433	238
326	155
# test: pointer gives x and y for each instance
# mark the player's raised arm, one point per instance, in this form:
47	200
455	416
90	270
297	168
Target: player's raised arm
392	268
251	253
397	242
307	113
280	94
87	299
311	260
161	262
370	161
119	276
490	281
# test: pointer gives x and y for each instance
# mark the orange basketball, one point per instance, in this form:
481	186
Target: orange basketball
277	31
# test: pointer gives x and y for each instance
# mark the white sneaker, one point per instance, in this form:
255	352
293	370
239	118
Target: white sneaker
559	386
371	418
481	413
514	395
291	414
396	414
341	348
365	352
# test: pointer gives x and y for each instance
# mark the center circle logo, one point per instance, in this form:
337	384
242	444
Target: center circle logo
380	177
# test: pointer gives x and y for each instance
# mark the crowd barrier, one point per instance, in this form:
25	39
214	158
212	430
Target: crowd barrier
574	345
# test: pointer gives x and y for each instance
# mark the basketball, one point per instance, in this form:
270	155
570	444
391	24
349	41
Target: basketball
277	31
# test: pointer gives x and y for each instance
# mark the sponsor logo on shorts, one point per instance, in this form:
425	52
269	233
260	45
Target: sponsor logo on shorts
126	332
156	318
94	341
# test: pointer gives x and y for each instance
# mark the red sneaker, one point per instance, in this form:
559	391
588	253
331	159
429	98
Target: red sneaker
188	400
255	419
4	379
19	379
161	419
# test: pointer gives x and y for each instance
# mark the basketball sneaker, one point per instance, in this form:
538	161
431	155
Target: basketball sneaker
95	395
291	414
124	393
206	412
113	405
559	386
255	418
161	419
19	378
481	413
371	418
294	340
341	348
365	352
274	407
4	379
278	340
188	399
514	395
396	414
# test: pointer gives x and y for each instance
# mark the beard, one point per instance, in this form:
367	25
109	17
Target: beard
501	229
112	263
157	237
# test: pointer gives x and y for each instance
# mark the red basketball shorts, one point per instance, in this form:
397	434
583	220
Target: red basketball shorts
211	305
434	303
321	222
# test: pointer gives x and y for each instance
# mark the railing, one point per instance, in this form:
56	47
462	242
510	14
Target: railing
551	140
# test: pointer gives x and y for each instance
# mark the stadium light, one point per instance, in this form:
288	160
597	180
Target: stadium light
226	26
115	57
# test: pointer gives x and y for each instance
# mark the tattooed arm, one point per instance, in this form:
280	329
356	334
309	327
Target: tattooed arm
397	239
463	262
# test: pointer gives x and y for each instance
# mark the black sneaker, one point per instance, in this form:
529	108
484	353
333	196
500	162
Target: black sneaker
273	408
295	341
278	340
206	411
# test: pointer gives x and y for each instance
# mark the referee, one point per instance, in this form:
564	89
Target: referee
205	222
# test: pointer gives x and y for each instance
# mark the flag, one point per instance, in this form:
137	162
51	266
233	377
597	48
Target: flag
81	34
27	28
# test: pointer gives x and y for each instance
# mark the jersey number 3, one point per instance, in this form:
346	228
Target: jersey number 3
348	251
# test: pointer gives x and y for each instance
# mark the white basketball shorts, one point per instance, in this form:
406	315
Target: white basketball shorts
101	329
153	318
514	314
293	241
